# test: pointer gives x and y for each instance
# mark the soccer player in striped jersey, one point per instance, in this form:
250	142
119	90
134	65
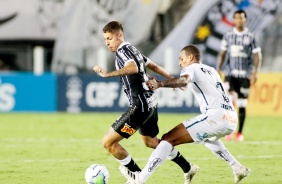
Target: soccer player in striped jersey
217	119
242	56
142	114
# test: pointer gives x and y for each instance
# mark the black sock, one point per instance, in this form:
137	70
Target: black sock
132	166
242	115
182	162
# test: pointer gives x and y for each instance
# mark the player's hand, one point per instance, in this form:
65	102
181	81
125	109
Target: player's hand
151	77
100	71
153	84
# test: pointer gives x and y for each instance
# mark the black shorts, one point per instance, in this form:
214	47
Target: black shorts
134	119
240	85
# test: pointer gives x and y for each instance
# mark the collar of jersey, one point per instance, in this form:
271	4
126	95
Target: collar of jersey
240	33
122	44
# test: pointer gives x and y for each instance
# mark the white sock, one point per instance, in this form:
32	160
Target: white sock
172	154
125	161
157	157
220	150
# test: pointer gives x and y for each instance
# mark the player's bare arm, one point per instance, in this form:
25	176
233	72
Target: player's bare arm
170	83
220	60
129	69
159	70
257	61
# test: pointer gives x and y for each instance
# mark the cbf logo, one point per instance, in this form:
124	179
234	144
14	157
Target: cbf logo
7	99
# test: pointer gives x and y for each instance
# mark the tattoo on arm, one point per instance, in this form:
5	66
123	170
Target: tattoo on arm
176	82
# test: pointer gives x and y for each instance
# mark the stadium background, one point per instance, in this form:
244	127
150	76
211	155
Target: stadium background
48	49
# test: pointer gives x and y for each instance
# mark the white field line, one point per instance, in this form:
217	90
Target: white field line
42	160
89	140
13	142
140	159
240	156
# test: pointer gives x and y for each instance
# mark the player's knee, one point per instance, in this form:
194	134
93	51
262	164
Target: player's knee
106	143
151	143
165	137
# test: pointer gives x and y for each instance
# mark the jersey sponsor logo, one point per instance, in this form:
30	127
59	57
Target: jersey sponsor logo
227	107
154	164
128	130
237	51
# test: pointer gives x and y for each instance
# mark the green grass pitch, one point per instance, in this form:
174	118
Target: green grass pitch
57	148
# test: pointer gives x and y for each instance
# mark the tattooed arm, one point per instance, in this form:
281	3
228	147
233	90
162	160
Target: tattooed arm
129	69
170	83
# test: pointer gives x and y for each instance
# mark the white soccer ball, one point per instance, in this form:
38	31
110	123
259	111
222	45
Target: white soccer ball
97	174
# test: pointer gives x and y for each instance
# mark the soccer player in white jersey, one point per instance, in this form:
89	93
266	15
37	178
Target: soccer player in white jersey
242	56
217	119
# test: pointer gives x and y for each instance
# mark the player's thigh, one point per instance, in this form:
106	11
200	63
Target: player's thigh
234	84
150	126
129	122
178	135
244	88
202	127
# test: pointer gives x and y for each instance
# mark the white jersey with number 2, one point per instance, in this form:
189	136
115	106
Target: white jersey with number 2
218	117
207	87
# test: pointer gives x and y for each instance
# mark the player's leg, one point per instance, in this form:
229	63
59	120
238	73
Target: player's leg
123	127
243	94
150	130
230	85
111	143
221	151
177	135
242	104
180	135
158	156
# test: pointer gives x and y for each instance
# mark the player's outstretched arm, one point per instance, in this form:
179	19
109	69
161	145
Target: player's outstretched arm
170	83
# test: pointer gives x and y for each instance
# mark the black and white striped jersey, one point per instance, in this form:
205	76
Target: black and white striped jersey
134	85
239	47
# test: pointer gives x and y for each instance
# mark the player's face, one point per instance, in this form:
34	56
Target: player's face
184	60
240	20
113	40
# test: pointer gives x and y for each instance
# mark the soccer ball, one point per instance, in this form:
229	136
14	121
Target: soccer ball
97	174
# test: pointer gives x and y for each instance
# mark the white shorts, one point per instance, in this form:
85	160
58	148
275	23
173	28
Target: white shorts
216	123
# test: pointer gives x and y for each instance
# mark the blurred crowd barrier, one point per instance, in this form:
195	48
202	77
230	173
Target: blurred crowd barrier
26	92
